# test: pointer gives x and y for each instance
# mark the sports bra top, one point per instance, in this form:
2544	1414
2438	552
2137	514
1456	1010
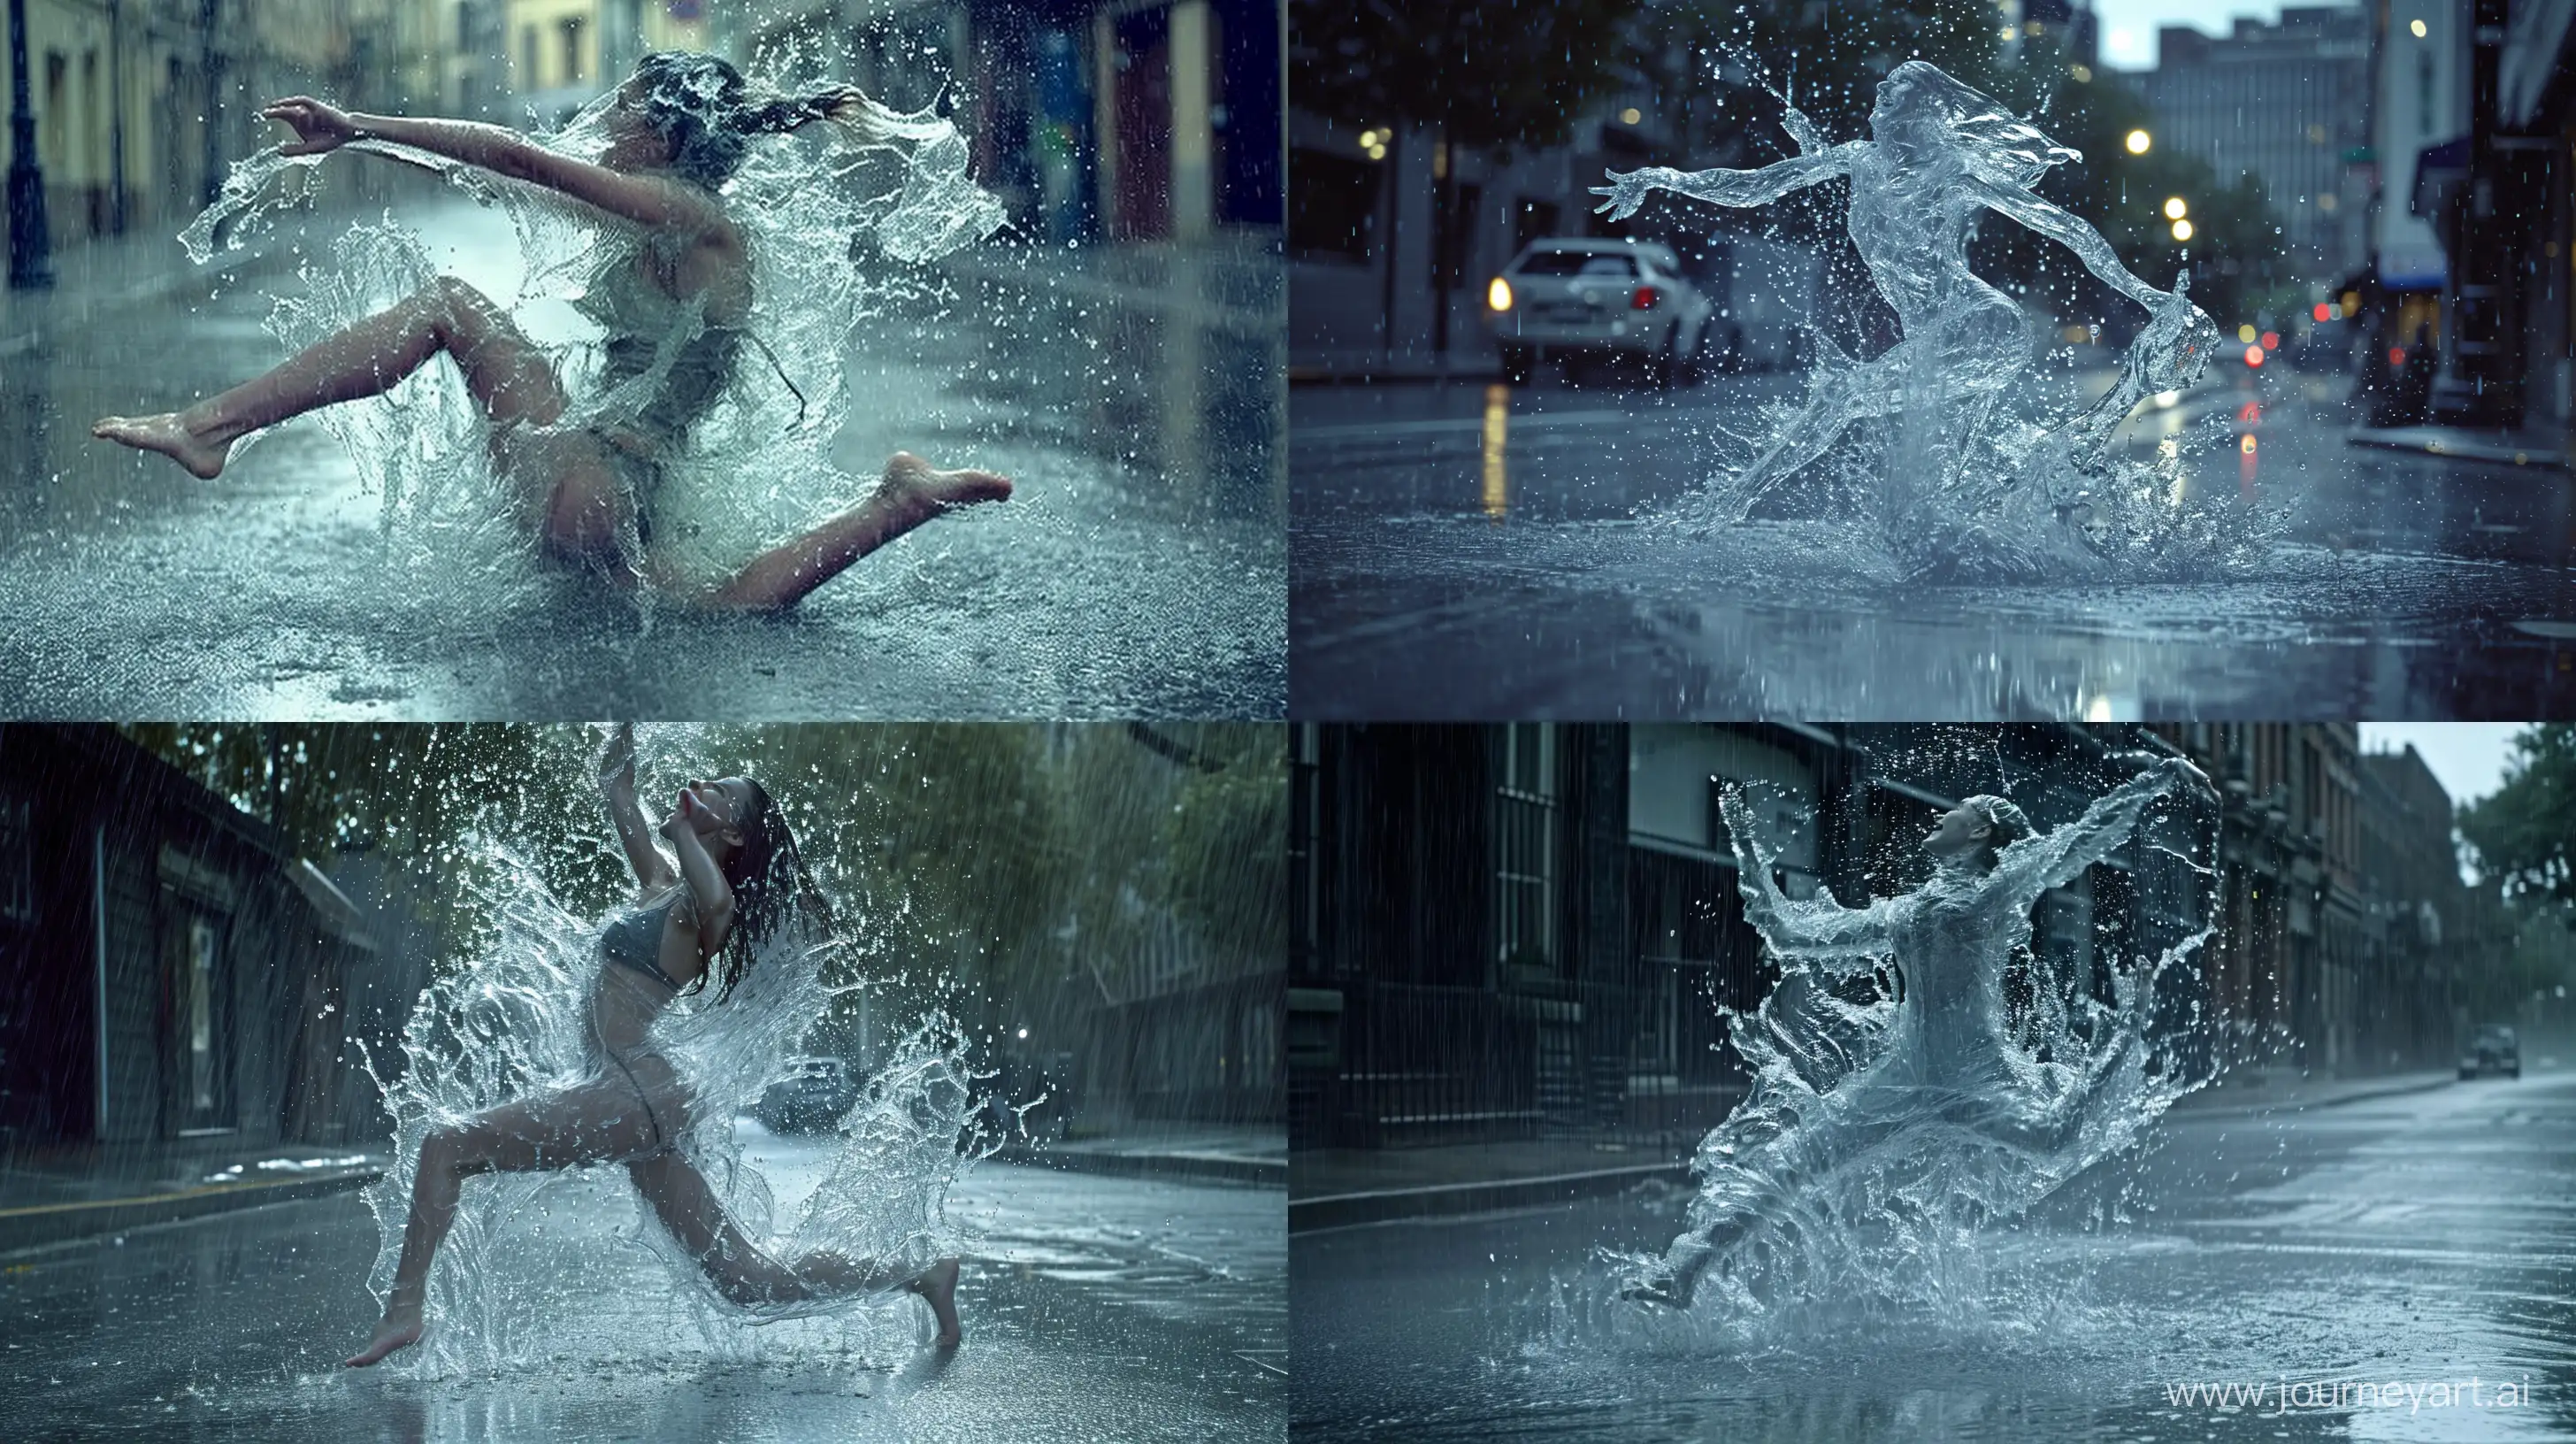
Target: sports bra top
634	938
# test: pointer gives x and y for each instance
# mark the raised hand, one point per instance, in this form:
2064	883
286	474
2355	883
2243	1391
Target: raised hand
1627	192
1802	130
616	762
319	127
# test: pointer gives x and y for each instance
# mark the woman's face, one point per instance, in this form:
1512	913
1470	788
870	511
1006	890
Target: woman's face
1899	116
716	811
1962	830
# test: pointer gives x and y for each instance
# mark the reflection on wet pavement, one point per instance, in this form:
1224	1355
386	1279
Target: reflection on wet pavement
1098	1308
1454	560
2415	1239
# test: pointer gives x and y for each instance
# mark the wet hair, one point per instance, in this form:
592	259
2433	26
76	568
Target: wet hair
1998	146
2006	824
769	882
708	114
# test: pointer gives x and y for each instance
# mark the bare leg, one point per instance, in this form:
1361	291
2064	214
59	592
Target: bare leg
505	373
595	1123
746	1276
910	494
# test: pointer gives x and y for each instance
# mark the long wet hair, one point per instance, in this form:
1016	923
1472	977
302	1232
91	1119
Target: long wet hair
1998	146
709	114
770	884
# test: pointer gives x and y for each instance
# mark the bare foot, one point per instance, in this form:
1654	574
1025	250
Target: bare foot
399	1330
168	434
916	492
938	1288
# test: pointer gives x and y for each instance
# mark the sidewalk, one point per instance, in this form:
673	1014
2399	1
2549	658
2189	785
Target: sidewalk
57	1192
2545	448
1339	1187
95	279
1237	284
2256	1092
1257	1157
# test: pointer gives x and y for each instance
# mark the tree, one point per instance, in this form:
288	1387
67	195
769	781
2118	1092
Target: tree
2524	835
1490	76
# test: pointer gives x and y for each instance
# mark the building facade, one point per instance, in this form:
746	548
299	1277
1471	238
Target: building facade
1527	930
2288	104
172	972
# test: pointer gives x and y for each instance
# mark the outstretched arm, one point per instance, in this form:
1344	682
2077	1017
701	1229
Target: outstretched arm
2074	235
1820	928
2035	864
1628	191
617	785
647	200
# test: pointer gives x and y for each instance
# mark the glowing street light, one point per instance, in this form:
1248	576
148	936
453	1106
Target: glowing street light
2138	142
2416	26
2176	208
2182	230
2245	333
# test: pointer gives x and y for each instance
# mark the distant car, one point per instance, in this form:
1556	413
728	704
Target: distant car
811	1098
1566	297
2492	1049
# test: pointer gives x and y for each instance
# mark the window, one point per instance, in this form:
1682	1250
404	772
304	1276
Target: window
17	861
1525	847
569	28
1579	263
1332	206
1305	767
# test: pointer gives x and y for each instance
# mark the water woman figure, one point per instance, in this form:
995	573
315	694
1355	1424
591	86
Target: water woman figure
731	881
581	474
1940	153
1947	1073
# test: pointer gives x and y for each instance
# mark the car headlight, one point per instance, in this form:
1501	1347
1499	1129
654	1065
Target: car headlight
1498	296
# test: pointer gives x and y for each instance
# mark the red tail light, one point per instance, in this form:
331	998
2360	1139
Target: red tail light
1645	299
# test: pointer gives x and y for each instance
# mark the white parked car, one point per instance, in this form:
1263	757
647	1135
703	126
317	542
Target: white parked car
1568	296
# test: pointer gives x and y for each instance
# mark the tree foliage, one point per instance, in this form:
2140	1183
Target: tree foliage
993	865
2524	835
1490	75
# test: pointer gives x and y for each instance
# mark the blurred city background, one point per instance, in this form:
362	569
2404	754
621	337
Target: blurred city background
1509	945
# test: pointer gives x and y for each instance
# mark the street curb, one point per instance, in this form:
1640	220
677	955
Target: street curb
2477	451
48	1223
1348	1210
2252	1109
1195	1167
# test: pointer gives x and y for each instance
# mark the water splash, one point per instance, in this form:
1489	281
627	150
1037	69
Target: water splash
1952	478
521	1275
1919	1073
838	221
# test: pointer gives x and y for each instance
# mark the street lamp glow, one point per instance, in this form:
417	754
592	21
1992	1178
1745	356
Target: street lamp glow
2182	230
2176	208
2417	26
2138	142
2245	333
1631	116
1498	296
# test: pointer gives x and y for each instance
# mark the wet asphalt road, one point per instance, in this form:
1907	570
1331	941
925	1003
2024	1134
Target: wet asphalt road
1140	569
2415	1239
1096	1309
1465	551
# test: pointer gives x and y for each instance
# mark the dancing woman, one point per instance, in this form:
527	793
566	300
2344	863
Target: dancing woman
729	881
582	473
1946	1069
1939	155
